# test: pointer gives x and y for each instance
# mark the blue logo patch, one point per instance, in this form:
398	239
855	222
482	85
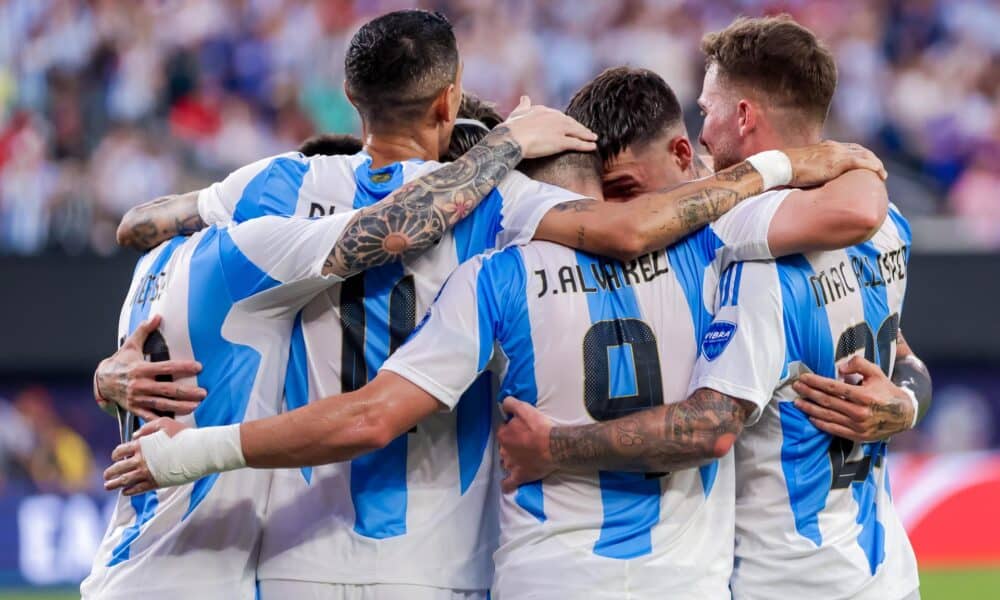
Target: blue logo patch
717	338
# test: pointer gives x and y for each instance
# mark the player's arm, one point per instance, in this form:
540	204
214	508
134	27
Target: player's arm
145	226
843	212
429	373
875	410
734	378
659	219
667	438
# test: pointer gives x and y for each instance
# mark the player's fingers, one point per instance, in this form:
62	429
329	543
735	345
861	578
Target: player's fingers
827	385
142	412
511	406
176	368
837	430
125	480
146	485
508	485
120	468
138	337
830	401
816	411
574	128
172	391
861	366
149	404
578	145
123	451
151	427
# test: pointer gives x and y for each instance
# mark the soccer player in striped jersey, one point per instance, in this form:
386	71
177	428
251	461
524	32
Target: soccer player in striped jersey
228	297
371	315
814	514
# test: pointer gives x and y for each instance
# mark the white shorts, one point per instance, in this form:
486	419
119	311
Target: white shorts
283	589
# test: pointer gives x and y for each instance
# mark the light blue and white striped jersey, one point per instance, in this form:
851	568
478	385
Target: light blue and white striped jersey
416	512
228	297
585	340
814	513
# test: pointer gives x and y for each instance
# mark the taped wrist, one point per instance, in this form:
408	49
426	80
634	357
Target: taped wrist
774	167
192	454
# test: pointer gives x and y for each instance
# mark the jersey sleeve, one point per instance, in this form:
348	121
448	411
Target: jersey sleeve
454	342
266	187
524	202
742	352
277	262
743	230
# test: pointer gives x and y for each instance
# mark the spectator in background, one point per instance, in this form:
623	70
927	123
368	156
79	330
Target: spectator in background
194	88
60	459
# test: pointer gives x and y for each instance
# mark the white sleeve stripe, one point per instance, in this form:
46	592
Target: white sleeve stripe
429	385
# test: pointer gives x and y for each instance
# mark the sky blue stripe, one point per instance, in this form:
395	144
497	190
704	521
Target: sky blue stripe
804	449
689	259
273	191
736	284
724	285
297	377
473	423
220	275
145	504
378	479
502	276
478	232
631	502
876	307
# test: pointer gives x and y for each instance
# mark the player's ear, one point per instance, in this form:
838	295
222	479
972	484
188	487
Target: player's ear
681	152
445	106
350	98
746	117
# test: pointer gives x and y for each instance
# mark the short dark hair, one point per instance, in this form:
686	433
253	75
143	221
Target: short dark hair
625	106
466	135
330	144
777	57
398	63
564	167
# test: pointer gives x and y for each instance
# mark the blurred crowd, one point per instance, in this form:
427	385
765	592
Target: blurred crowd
105	104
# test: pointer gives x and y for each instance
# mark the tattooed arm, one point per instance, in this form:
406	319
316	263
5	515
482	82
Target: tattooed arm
415	216
910	372
658	219
666	438
147	225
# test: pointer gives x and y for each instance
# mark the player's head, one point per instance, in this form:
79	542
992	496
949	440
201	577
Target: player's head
641	139
768	82
476	118
578	172
330	144
403	71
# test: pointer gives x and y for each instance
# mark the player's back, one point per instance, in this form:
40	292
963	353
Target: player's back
418	511
814	514
588	340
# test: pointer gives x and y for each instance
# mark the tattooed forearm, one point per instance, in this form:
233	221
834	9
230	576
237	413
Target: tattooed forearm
667	438
416	215
152	223
577	206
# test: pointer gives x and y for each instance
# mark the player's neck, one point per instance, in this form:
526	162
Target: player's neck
388	148
769	139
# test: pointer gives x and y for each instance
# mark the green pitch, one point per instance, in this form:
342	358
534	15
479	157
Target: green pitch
950	584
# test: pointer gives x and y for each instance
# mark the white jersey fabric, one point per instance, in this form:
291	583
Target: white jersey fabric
418	511
814	513
588	339
228	297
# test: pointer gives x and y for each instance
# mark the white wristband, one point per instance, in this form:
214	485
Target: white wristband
916	405
192	454
774	167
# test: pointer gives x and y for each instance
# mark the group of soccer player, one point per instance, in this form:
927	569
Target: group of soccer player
698	372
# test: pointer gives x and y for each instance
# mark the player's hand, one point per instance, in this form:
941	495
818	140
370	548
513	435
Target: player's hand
524	445
129	472
126	379
543	131
815	165
873	411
